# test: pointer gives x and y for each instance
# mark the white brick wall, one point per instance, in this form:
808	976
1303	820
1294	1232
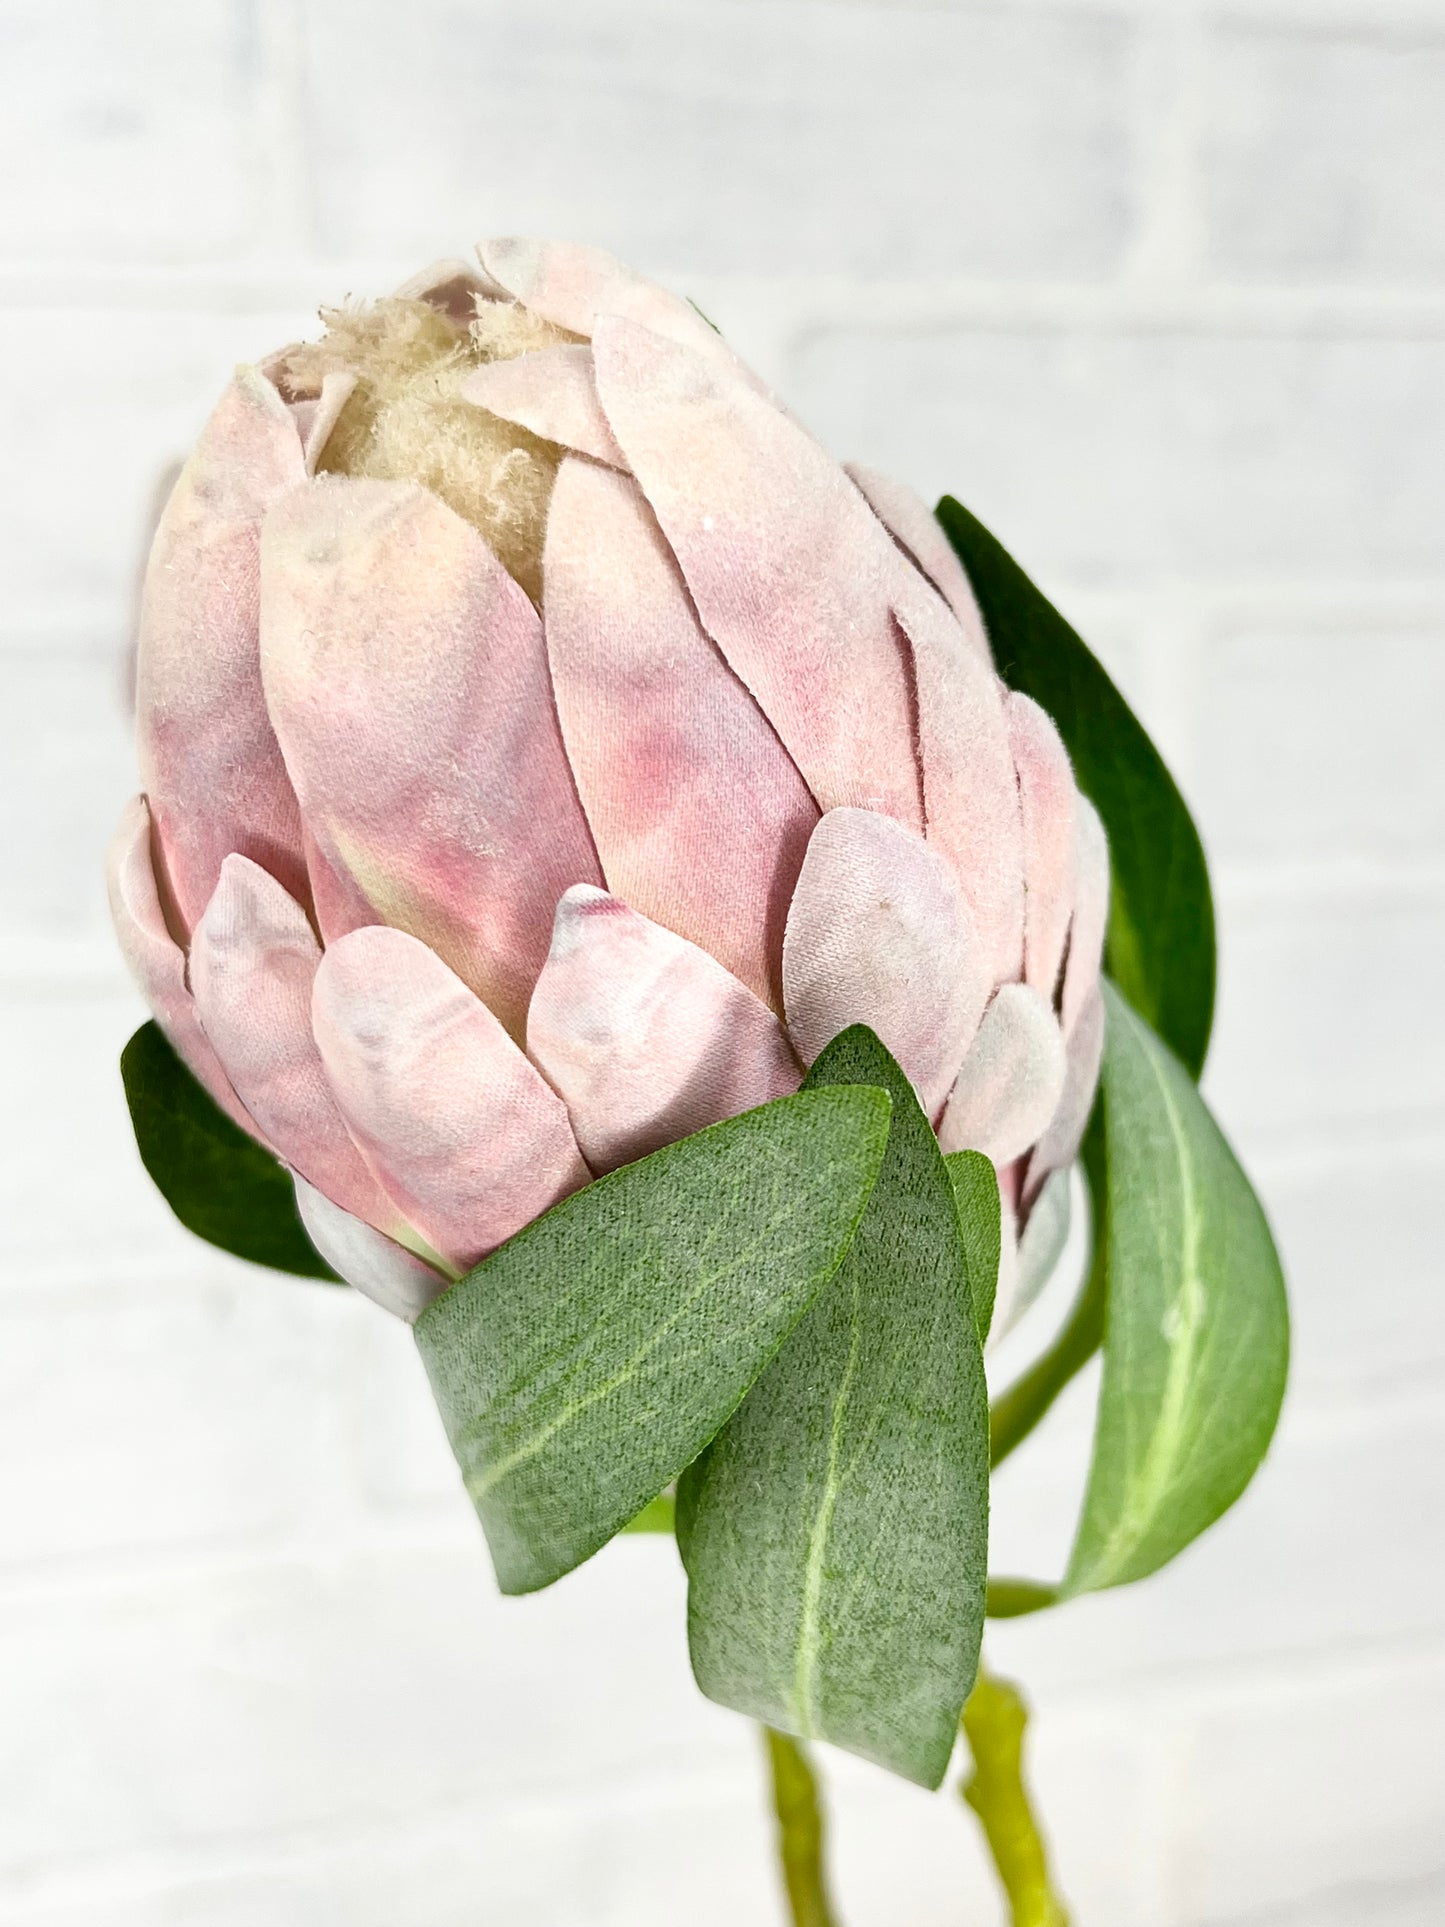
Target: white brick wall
1159	287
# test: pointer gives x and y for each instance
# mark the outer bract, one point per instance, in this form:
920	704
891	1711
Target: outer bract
548	749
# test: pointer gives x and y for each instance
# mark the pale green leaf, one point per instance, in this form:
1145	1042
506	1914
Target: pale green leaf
1196	1340
835	1533
579	1368
975	1192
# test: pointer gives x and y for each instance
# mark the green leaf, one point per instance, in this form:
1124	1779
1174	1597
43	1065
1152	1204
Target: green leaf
1012	1598
975	1191
1196	1342
582	1365
835	1533
219	1182
1161	923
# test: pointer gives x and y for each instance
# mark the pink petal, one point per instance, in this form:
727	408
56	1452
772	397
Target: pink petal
879	934
1084	1052
407	677
551	391
375	1265
209	759
700	817
156	960
969	786
1091	913
253	958
451	286
787	565
463	1133
571	285
1011	1080
646	1037
1047	798
907	518
316	418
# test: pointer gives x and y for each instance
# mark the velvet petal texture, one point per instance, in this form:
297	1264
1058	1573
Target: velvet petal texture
571	285
1047	797
1011	1080
916	530
1083	1053
647	1037
253	959
406	674
786	564
699	816
969	786
378	1267
156	961
1091	914
460	1129
210	765
553	392
879	934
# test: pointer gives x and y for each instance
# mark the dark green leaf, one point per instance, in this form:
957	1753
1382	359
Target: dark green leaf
835	1533
975	1192
1196	1342
219	1182
1161	924
580	1367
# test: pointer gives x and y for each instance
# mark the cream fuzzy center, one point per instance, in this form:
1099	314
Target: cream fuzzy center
406	419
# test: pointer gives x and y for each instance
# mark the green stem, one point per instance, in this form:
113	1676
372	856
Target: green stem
800	1832
993	1723
1015	1414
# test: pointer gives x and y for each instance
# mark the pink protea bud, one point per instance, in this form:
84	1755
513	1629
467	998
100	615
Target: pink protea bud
547	749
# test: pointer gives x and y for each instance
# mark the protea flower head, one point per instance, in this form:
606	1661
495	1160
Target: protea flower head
547	749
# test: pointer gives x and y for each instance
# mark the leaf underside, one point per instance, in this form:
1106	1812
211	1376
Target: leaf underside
1196	1343
219	1182
583	1365
1161	922
980	1216
835	1532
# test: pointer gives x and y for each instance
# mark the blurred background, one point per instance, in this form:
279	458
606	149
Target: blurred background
1158	288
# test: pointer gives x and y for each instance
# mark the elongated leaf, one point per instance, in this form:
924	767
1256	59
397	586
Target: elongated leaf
219	1182
580	1367
835	1533
1161	922
1196	1342
975	1191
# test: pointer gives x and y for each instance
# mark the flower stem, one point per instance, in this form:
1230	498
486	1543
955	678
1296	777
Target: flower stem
993	1723
800	1832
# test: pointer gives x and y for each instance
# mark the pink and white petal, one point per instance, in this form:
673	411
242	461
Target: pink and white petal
916	530
452	286
407	677
1042	1242
699	815
1011	1081
253	958
156	961
553	392
316	419
788	567
1047	799
462	1132
970	790
571	285
1006	1292
646	1037
879	933
378	1267
1084	1053
210	764
1091	913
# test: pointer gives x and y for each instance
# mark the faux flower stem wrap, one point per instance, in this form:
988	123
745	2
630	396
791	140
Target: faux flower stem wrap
630	895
